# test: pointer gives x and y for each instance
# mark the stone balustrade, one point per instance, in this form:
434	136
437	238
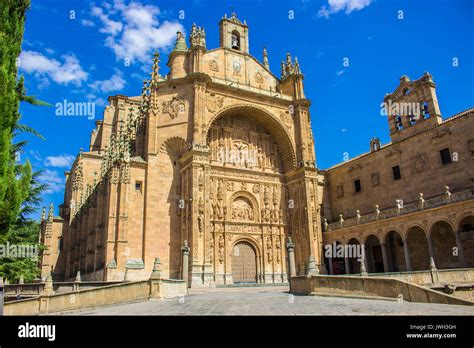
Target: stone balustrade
398	209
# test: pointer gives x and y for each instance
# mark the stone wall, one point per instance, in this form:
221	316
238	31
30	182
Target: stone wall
371	287
102	296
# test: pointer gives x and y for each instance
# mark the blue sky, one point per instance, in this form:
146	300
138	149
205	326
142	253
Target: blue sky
85	51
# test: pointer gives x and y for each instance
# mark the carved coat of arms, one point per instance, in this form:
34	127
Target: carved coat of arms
214	103
419	163
173	107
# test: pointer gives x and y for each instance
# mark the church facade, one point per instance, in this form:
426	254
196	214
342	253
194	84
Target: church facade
212	170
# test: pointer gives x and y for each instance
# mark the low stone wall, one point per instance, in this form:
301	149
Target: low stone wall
370	286
97	297
35	289
443	276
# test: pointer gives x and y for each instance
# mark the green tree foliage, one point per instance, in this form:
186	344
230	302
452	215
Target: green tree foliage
14	179
19	188
21	233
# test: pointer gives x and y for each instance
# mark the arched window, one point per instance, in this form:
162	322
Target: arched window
399	123
425	111
236	40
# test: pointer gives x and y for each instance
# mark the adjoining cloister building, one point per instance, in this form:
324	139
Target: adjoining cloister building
212	169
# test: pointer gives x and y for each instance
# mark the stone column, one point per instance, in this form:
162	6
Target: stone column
457	235
384	258
430	246
407	255
291	257
347	265
185	260
331	267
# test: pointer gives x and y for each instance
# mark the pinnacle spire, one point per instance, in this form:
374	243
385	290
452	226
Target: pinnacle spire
265	58
51	212
155	74
180	44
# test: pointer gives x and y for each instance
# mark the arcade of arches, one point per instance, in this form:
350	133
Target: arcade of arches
444	245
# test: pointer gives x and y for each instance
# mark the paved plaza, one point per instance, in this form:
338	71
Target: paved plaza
273	301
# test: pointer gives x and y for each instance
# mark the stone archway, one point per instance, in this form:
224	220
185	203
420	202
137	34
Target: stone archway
244	263
354	263
444	244
373	255
466	235
418	248
395	253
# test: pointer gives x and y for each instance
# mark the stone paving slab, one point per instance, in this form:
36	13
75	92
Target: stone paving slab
273	301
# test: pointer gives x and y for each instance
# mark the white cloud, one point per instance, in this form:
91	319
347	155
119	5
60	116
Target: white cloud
340	72
69	71
53	179
87	23
133	30
61	161
348	6
115	83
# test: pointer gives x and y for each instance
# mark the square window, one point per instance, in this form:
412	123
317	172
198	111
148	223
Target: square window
445	156
396	173
357	186
138	185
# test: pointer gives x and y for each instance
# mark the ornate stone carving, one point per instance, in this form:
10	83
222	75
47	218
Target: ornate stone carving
213	65
419	163
242	209
278	249
237	67
256	188
173	107
269	250
258	77
375	177
221	248
214	102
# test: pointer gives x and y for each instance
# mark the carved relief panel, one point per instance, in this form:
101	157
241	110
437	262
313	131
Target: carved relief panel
241	143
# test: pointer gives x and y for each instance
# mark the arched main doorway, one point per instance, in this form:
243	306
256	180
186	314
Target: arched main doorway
244	263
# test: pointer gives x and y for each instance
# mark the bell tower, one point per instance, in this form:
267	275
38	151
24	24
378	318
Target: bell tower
234	34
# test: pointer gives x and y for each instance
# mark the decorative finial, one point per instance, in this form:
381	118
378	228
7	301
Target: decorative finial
297	69
43	214
51	212
265	58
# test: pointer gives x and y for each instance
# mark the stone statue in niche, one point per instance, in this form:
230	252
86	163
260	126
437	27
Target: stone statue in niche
260	160
269	250
221	249
266	214
278	249
200	215
221	152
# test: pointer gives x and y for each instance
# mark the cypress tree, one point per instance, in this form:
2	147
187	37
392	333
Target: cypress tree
15	180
